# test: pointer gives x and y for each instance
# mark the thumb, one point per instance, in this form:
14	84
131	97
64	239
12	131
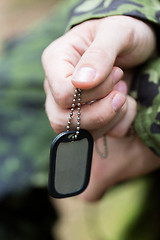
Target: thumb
94	66
118	39
98	60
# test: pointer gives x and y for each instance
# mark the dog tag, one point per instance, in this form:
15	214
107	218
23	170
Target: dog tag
70	157
70	163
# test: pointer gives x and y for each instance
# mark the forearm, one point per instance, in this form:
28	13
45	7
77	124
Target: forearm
146	122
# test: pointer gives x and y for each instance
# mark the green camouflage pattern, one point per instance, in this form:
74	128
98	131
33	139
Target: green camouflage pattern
25	133
147	123
147	93
25	137
148	10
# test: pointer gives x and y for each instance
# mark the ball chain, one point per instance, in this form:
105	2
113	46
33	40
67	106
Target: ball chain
76	97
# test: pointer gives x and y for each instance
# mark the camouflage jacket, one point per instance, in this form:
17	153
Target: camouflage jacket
25	135
147	122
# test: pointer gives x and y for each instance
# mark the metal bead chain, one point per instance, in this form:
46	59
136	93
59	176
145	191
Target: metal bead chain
76	97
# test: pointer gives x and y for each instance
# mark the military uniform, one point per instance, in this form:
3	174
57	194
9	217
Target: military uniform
25	134
146	89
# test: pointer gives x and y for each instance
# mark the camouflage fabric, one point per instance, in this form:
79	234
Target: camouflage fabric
25	133
147	123
146	90
88	9
25	137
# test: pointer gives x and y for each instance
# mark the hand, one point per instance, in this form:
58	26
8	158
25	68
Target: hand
85	58
127	158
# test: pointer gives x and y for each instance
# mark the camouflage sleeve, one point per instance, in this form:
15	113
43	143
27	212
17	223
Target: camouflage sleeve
146	10
147	122
146	90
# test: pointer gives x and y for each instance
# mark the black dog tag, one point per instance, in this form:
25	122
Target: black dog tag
70	164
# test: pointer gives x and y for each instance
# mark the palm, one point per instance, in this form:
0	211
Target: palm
127	158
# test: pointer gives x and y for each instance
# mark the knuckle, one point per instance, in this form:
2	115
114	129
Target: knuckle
100	53
121	132
56	125
45	55
45	86
100	119
62	99
55	119
118	132
50	51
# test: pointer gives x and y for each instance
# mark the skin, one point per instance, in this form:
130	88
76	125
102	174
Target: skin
120	164
86	58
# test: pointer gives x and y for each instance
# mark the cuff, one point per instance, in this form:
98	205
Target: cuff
145	10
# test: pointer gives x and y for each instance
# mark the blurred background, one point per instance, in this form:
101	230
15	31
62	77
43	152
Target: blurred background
16	15
114	216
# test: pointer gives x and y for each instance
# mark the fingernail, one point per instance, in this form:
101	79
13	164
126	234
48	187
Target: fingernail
85	74
117	75
118	101
121	87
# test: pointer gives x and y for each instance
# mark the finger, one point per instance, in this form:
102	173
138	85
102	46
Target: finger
97	61
122	87
96	93
46	86
104	88
65	100
98	184
100	113
118	40
93	116
99	132
120	129
59	60
101	178
57	116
